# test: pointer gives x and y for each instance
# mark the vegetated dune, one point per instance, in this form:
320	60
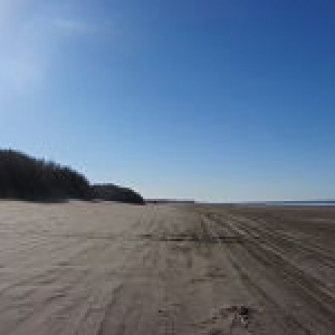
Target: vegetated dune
99	269
111	192
26	178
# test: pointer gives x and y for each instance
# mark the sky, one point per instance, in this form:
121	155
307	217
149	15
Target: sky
211	100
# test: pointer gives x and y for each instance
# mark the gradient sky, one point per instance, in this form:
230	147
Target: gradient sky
216	100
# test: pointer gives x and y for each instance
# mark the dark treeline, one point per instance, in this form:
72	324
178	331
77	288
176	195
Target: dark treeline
26	178
112	192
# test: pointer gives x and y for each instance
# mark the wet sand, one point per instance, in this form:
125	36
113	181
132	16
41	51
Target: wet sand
104	268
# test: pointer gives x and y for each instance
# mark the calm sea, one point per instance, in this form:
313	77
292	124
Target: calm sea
293	203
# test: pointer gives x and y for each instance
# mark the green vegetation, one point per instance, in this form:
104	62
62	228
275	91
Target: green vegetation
26	178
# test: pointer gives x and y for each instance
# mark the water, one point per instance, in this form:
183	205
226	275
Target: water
293	203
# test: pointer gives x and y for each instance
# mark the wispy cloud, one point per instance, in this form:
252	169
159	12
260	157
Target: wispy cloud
22	51
76	26
28	41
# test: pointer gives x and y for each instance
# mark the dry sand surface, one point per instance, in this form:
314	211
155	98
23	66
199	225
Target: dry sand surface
103	268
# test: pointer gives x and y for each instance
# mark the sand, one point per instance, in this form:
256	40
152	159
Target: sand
105	268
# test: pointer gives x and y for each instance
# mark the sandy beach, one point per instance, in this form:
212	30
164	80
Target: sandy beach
107	268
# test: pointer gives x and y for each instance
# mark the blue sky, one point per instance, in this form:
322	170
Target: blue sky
215	100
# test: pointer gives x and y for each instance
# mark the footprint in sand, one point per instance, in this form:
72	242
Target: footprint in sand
232	320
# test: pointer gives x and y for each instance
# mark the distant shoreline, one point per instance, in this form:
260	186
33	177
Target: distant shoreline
289	203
